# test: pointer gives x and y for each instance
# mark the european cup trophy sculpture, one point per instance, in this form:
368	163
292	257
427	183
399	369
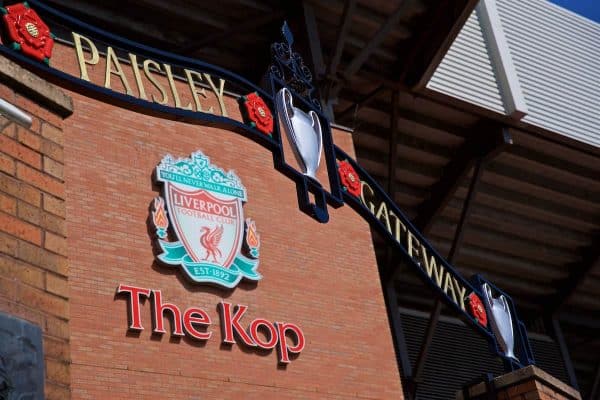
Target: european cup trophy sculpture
303	131
501	321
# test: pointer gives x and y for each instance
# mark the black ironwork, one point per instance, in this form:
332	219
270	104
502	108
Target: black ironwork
564	352
288	66
288	70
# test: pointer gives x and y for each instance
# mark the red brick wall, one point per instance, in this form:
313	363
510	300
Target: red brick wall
33	248
529	383
322	277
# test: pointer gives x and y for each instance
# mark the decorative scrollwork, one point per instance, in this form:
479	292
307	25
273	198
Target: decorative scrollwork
288	66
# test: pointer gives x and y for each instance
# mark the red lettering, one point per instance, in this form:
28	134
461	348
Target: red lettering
158	309
283	348
255	325
196	316
135	319
230	324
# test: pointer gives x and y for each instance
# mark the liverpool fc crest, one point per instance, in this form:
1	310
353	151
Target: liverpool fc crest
214	243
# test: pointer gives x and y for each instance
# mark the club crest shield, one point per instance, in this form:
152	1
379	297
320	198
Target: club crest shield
203	206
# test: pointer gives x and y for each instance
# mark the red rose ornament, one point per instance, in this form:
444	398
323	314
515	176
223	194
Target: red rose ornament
477	309
349	178
27	32
258	113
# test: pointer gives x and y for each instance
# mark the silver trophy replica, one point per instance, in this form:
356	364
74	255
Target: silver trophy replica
501	321
303	131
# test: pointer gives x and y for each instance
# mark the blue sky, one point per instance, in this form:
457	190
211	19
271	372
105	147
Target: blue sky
587	8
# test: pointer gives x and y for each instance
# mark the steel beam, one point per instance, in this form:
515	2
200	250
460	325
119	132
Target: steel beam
478	145
564	352
391	300
456	244
393	145
341	35
411	115
375	41
248	26
353	109
314	41
590	259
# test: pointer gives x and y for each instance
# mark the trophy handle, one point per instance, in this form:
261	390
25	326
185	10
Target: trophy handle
316	124
504	303
487	291
285	106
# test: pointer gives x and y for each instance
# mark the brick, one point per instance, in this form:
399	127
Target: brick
56	348
57	285
53	223
57	371
28	213
29	139
55	263
52	133
54	205
22	272
54	391
8	204
7	93
19	152
55	243
52	150
8	245
29	253
7	127
57	328
40	180
7	164
533	395
29	194
53	168
41	300
20	190
36	124
44	259
8	288
20	229
21	311
31	107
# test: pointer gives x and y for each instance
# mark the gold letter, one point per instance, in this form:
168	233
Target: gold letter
431	267
413	251
399	226
82	61
383	211
155	82
112	57
369	205
461	293
448	285
218	93
196	91
136	74
174	88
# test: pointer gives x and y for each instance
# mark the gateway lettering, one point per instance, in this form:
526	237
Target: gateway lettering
433	267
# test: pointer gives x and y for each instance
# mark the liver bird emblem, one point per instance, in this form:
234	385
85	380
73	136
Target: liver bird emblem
210	239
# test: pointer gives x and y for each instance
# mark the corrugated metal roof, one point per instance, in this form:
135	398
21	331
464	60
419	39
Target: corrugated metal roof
556	54
466	71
